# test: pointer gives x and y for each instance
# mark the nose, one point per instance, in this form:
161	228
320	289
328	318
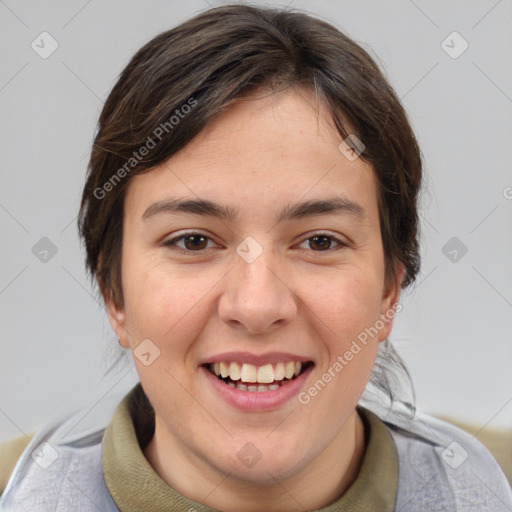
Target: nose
257	296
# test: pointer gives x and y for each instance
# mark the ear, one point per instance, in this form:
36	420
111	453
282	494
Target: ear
115	309
117	318
390	297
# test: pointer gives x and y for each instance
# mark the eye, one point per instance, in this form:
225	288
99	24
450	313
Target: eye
324	242
197	242
192	242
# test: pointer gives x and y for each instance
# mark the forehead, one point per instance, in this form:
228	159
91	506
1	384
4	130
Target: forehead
264	151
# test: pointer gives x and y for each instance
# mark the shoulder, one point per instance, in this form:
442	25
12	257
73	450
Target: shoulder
60	465
442	467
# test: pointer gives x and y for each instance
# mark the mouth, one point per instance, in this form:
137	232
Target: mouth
251	378
257	388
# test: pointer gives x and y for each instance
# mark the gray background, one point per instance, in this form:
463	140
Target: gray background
455	329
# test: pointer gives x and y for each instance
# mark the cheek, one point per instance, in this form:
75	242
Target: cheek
350	308
346	312
164	306
348	305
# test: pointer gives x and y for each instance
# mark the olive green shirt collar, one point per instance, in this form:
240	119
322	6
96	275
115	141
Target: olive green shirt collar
135	486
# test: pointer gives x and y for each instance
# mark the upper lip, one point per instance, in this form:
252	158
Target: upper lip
255	359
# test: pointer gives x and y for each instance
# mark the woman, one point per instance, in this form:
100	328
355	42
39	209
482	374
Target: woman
250	216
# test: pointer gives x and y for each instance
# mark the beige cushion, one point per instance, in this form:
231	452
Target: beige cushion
10	452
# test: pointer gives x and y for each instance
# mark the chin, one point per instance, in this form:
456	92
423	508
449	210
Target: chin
262	466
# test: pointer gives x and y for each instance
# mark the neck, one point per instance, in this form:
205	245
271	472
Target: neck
323	481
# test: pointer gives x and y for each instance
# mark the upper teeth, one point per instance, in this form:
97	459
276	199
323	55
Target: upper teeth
262	374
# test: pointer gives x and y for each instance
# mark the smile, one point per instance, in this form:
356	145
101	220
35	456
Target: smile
257	388
251	378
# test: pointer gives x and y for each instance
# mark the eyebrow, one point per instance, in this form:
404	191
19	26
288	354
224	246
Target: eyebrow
332	205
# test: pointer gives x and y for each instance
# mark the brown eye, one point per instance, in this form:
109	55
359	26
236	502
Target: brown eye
323	242
195	242
192	242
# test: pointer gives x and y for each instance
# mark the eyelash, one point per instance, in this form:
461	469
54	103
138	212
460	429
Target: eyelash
172	243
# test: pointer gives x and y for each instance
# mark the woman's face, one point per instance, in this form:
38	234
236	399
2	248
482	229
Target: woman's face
263	279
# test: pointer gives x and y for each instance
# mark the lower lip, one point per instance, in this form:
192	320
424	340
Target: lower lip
257	401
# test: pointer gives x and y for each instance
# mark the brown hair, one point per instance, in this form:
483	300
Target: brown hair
183	78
